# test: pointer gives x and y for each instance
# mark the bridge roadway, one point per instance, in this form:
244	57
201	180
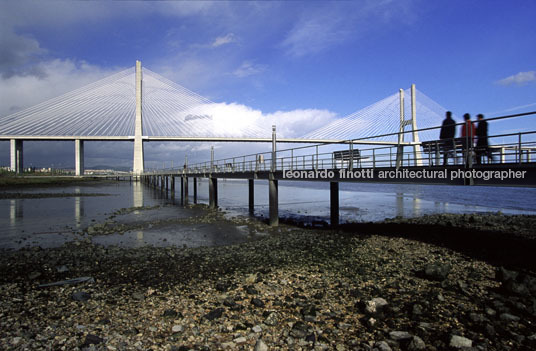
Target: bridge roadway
506	174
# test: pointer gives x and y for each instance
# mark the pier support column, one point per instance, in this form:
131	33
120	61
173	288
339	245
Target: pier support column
182	190
162	183
273	201
195	190
334	203
79	157
185	190
172	185
167	183
251	188
16	156
213	192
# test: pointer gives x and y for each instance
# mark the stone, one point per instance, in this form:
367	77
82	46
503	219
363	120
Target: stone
400	335
503	275
62	269
437	271
375	306
170	313
509	317
177	328
92	339
240	340
416	344
382	346
256	329
257	302
516	288
272	319
215	313
459	342
260	346
81	296
138	296
299	330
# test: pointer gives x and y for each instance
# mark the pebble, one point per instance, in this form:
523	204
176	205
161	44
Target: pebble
459	342
260	346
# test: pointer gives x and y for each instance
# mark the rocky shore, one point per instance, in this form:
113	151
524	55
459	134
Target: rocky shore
398	285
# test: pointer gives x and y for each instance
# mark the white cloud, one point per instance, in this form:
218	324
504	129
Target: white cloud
248	68
56	77
519	78
227	39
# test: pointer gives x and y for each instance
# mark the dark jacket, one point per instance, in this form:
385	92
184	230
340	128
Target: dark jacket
448	129
482	133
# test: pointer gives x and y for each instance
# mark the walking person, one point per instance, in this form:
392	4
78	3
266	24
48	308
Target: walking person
468	136
446	135
482	146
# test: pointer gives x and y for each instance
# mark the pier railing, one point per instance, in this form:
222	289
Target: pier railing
504	148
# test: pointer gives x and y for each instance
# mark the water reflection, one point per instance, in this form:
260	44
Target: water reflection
78	208
137	194
15	211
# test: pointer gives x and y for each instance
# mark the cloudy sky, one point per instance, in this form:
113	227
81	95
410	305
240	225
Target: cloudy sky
301	64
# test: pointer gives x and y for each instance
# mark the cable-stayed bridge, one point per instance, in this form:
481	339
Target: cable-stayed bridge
138	105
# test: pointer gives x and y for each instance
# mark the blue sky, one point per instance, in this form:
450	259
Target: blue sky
332	57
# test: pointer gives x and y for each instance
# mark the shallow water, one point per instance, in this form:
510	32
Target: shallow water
49	222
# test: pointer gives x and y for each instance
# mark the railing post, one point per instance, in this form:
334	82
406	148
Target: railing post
211	159
373	158
520	150
274	150
351	155
292	159
316	168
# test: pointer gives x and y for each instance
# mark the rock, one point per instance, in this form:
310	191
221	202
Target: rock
240	340
256	329
138	296
81	296
170	313
416	344
62	269
299	330
400	335
509	317
375	306
260	346
503	275
215	313
92	340
417	309
177	328
272	319
382	346
516	288
437	271
34	275
257	302
459	342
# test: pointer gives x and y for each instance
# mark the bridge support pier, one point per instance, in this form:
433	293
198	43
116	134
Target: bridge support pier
334	203
185	191
162	183
195	190
273	201
167	184
172	185
79	157
251	192
182	191
213	192
16	156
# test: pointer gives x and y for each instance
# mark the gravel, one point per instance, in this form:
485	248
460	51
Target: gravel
295	288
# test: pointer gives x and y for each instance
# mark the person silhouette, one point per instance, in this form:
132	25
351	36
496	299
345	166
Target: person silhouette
468	136
482	146
446	135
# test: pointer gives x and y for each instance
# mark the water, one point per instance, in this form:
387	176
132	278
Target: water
51	221
364	202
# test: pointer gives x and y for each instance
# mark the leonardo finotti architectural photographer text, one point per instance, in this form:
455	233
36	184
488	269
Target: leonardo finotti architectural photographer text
405	174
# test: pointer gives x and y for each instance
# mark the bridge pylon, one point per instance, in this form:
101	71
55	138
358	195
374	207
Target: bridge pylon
412	122
138	165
